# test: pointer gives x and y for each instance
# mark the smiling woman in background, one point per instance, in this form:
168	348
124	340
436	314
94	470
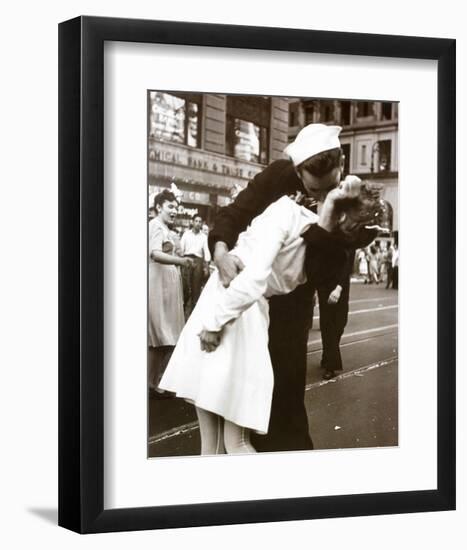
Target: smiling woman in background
166	318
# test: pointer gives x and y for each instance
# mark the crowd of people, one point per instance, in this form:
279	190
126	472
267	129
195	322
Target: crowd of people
234	344
379	263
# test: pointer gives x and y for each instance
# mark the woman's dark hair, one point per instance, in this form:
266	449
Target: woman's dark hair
367	208
163	196
321	164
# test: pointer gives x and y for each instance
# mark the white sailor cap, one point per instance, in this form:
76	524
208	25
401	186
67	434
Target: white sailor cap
311	140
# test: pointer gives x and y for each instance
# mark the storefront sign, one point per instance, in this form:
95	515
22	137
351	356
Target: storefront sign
180	155
197	197
184	211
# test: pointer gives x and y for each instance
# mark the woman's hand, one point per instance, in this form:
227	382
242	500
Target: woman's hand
335	295
169	259
209	340
186	262
349	188
229	265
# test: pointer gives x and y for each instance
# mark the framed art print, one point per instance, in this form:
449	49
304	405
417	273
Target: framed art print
257	303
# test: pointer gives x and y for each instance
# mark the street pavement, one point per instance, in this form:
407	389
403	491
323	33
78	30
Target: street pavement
358	408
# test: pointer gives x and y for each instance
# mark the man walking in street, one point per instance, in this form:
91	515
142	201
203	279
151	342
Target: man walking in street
388	264
395	267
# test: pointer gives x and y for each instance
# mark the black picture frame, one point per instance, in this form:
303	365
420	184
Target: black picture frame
81	274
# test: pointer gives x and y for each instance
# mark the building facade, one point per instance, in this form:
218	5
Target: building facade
369	138
211	145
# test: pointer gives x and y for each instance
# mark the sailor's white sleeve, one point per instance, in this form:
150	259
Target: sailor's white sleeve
268	232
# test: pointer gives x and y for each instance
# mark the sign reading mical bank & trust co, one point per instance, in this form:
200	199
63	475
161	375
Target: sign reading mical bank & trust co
197	160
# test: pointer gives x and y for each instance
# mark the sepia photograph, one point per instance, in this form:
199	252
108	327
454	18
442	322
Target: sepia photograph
273	267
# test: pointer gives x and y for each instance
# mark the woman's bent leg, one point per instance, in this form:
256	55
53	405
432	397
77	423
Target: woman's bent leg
237	439
211	432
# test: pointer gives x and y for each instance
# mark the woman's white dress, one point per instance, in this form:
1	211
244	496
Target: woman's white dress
236	380
362	263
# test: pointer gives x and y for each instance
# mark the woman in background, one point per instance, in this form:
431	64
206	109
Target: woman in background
166	318
373	265
363	265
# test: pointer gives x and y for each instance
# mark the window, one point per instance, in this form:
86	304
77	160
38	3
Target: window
364	109
386	111
247	128
327	115
246	140
363	154
345	113
309	114
175	118
384	155
346	150
293	119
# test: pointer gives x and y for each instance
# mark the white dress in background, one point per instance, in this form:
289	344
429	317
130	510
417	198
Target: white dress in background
362	263
166	318
236	380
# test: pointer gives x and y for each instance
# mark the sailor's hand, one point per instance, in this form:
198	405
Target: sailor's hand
209	340
228	264
335	295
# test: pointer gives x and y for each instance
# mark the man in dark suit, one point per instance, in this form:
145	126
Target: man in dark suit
333	294
314	168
